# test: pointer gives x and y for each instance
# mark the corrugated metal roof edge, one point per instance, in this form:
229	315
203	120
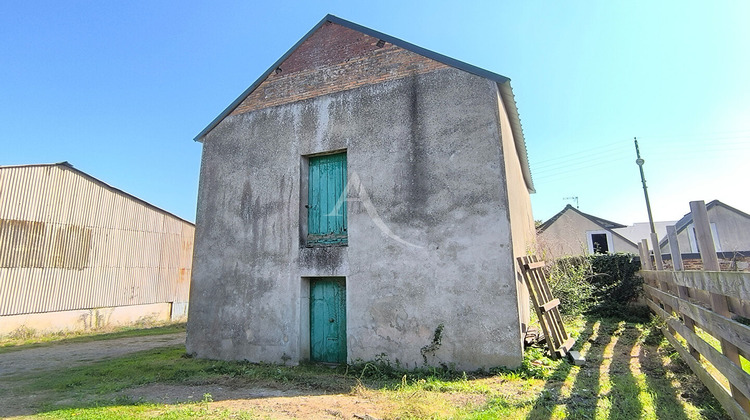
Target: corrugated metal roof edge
502	81
68	165
506	91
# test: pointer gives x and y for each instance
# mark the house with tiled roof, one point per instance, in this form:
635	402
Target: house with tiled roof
573	232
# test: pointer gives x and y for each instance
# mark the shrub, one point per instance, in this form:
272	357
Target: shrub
600	284
569	281
615	283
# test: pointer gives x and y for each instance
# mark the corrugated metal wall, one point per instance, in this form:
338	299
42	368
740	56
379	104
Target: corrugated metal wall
68	241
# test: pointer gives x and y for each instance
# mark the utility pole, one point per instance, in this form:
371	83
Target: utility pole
640	163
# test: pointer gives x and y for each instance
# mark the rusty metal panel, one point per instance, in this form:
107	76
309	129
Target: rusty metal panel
69	241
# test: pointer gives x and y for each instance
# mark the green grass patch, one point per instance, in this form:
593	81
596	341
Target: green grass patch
172	365
28	339
198	410
631	372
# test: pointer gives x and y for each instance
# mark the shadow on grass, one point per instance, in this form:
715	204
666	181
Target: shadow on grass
626	395
550	398
623	380
664	368
665	395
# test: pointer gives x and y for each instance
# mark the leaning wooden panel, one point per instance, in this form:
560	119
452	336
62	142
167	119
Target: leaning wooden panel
546	306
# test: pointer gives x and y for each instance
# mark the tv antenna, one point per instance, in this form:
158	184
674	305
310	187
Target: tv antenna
572	198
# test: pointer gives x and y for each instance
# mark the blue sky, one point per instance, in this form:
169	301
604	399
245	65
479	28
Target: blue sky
120	89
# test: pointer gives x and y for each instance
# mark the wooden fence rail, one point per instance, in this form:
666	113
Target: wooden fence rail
713	302
722	328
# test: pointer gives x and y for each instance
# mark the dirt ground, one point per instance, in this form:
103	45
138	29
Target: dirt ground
264	402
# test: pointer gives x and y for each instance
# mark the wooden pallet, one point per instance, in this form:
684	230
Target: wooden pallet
546	306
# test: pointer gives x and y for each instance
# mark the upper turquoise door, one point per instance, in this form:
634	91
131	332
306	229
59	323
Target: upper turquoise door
326	203
328	320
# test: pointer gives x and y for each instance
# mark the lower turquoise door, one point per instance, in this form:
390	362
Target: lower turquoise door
328	320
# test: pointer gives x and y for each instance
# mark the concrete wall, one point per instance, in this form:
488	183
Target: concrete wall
429	227
88	319
567	236
733	229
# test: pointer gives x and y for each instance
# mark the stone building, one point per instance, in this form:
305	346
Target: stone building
363	197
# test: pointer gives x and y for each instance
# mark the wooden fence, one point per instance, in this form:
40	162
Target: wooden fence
701	308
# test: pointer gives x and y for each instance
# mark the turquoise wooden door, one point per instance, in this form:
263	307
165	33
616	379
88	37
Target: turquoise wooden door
326	201
328	320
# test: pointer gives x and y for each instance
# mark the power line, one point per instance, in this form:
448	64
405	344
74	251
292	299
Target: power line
570	162
583	152
582	160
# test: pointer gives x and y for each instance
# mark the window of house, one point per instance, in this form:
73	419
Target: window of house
599	241
694	241
326	202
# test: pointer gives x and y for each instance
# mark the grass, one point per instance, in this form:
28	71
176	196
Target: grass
25	338
199	410
631	372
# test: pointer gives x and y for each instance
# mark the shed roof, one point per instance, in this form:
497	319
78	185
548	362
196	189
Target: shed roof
503	82
67	166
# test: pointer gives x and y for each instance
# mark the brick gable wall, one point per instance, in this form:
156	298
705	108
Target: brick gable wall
333	59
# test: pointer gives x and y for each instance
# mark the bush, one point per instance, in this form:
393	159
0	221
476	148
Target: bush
616	284
600	284
569	281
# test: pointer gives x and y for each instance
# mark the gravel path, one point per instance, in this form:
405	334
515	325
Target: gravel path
74	354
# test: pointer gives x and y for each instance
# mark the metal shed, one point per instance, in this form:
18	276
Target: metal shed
78	253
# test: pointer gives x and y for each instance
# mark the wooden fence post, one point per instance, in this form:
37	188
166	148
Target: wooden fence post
643	256
663	285
682	291
674	248
646	255
719	302
657	251
703	236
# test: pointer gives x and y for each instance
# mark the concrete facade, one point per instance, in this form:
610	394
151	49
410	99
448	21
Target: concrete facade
438	207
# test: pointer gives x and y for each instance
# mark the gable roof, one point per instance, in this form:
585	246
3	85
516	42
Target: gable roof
67	166
503	83
687	219
605	224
